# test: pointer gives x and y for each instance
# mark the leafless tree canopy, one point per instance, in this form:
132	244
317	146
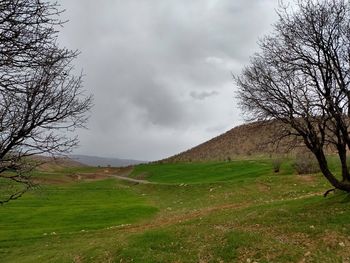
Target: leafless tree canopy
41	100
301	77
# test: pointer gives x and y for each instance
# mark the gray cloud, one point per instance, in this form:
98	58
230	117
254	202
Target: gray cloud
152	64
203	95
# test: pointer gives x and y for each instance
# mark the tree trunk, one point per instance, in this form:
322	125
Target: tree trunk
322	161
344	165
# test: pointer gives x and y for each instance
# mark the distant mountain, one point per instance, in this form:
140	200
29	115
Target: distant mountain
102	161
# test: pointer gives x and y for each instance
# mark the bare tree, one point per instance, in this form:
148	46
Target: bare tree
301	78
41	100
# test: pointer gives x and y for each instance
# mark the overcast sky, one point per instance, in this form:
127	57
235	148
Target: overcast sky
160	70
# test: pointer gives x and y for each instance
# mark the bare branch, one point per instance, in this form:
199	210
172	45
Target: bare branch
41	100
301	78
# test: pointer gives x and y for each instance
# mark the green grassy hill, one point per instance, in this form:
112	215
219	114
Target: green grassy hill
239	211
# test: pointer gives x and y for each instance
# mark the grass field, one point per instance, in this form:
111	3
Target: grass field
239	211
204	172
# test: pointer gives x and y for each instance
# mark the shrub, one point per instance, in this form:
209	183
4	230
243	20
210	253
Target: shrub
276	163
306	163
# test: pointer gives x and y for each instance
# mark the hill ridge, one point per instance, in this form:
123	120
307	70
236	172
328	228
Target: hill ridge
249	139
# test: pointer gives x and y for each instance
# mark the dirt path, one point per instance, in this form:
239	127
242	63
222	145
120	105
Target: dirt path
166	221
131	179
122	173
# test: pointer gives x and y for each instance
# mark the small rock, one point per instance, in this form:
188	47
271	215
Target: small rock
307	254
341	244
45	234
249	260
312	227
211	189
53	233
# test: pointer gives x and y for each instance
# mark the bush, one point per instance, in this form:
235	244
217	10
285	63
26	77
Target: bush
276	163
306	163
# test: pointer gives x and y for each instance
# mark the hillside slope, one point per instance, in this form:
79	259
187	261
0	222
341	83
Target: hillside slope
253	139
47	163
104	162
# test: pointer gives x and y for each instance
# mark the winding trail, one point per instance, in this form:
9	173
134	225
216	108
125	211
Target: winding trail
131	179
194	214
199	213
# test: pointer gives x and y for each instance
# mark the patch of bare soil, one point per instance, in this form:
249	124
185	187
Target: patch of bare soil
262	187
120	171
334	240
310	245
142	176
165	221
307	177
88	176
77	259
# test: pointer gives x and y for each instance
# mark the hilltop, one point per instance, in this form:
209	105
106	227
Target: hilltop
252	139
48	163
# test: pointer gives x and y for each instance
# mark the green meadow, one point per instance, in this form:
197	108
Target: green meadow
238	211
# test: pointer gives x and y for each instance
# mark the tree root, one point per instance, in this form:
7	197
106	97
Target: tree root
328	192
